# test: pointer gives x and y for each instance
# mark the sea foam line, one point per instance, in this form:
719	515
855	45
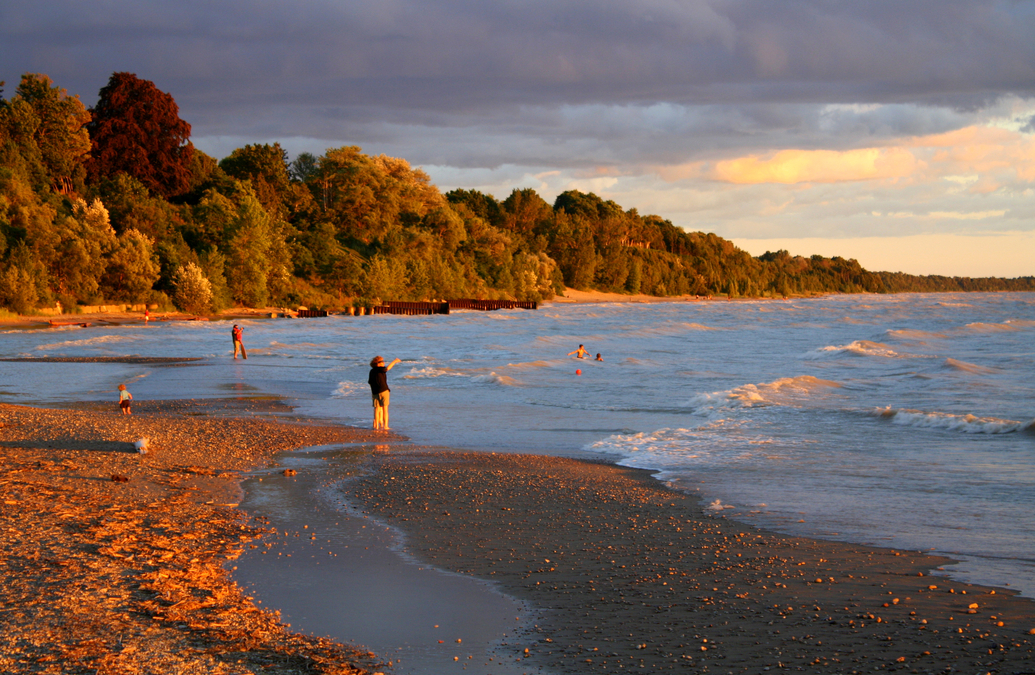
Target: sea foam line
88	342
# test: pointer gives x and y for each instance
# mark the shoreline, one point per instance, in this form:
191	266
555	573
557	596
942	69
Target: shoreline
118	561
102	319
620	570
628	573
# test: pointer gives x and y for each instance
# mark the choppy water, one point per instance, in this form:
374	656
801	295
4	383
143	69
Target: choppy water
904	421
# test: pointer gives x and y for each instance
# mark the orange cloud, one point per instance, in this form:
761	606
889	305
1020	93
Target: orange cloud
982	150
819	166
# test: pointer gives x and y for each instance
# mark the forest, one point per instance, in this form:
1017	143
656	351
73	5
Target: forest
113	204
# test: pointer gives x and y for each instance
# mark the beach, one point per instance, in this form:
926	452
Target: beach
120	562
706	481
626	574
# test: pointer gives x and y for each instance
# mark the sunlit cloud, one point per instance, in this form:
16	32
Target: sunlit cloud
819	166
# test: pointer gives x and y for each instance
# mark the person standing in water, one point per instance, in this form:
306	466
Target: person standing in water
579	353
379	390
237	335
124	400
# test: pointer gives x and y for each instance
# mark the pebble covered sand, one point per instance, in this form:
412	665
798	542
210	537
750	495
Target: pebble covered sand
118	562
627	574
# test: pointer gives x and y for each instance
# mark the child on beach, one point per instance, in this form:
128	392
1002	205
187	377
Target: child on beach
124	398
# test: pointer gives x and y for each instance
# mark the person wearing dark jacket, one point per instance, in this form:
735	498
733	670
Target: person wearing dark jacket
379	390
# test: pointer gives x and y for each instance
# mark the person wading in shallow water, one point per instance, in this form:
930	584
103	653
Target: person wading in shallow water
379	389
579	353
237	335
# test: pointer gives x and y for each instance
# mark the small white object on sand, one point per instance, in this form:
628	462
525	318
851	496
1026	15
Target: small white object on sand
141	445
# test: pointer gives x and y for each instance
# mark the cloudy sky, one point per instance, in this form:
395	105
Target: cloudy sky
900	133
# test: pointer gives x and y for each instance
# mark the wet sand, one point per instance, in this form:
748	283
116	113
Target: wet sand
118	562
628	574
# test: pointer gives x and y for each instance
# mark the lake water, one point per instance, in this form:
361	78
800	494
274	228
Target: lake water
904	421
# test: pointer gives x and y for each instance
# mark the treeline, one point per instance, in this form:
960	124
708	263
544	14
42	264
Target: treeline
114	204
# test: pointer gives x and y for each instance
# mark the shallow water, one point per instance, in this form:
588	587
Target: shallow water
903	421
333	572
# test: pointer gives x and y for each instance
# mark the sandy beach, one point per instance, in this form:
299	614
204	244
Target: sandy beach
118	562
627	574
572	295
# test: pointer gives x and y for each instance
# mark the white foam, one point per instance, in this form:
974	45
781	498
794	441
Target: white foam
714	443
493	378
787	391
87	342
970	424
431	372
348	388
717	506
994	327
479	377
858	348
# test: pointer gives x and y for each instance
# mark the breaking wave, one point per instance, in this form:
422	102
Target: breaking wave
428	372
787	391
431	372
861	348
493	378
969	424
87	342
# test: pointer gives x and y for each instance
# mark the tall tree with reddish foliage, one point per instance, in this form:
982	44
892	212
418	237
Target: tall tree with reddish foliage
136	129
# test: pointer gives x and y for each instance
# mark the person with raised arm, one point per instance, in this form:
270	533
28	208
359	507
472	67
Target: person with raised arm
379	390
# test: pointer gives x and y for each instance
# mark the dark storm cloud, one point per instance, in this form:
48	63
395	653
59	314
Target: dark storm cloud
395	71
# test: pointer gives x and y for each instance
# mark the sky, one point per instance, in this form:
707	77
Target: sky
900	133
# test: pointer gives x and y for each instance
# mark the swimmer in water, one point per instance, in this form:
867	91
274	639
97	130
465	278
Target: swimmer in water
579	353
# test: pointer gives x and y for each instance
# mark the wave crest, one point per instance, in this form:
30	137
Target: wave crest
787	391
861	348
969	424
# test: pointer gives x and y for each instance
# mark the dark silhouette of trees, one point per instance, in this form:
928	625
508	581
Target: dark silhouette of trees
136	129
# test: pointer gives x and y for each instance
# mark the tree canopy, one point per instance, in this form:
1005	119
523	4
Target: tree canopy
118	206
136	129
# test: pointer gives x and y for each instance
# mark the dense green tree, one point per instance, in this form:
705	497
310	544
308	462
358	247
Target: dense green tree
267	168
132	268
136	129
248	255
304	168
50	127
85	237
